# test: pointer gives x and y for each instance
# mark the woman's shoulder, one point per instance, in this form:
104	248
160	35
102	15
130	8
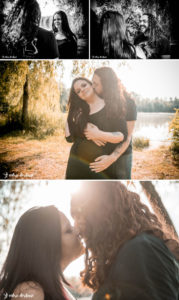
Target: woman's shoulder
29	289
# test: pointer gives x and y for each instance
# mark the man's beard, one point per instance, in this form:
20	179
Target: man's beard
143	29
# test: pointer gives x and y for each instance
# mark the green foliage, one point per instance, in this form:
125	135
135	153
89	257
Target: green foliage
84	68
43	97
131	9
12	79
140	142
174	129
12	195
156	104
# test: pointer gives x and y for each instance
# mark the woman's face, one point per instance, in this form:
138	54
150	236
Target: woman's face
57	21
71	245
97	85
83	89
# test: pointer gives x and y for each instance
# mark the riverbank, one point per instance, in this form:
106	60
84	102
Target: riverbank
25	158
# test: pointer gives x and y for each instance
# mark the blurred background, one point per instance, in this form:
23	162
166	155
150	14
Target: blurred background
18	196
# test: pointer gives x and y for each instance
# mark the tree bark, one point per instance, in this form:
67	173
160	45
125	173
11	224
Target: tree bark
157	204
25	103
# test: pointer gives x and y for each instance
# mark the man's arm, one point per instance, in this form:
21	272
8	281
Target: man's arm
120	149
103	162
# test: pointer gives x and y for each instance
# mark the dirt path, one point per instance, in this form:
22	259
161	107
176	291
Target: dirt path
23	158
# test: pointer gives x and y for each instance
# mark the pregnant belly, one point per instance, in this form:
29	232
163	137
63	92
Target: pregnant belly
87	150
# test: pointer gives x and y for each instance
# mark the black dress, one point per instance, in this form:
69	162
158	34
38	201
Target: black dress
67	48
144	269
84	151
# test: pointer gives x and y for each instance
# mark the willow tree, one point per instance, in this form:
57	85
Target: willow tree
30	95
157	205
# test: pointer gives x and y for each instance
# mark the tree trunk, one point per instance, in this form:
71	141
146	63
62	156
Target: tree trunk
157	204
25	103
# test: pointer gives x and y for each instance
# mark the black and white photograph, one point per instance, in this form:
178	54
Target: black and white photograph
133	29
44	29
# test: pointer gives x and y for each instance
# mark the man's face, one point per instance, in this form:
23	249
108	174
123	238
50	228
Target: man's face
144	23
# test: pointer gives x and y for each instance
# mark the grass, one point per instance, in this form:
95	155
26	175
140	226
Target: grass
23	157
36	127
140	143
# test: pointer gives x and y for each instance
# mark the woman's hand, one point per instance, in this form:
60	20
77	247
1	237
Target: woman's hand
92	132
101	163
99	143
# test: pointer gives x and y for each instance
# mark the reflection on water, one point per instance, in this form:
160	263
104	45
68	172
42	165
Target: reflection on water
154	126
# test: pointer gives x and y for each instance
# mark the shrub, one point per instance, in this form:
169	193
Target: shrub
140	142
174	129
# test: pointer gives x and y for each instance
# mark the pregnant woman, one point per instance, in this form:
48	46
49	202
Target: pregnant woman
95	126
66	39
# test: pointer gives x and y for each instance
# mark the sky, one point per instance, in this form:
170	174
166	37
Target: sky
149	78
59	192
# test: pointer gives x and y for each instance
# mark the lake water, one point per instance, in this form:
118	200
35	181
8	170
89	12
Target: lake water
155	127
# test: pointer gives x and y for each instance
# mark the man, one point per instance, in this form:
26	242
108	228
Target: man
121	157
151	38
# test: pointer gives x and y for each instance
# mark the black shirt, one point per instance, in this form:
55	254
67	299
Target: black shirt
144	269
131	115
43	46
67	48
84	151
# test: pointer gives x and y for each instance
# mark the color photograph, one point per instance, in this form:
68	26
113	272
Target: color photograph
89	120
89	239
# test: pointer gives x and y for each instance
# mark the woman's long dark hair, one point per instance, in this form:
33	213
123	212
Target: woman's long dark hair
113	92
114	37
35	254
78	111
65	25
20	26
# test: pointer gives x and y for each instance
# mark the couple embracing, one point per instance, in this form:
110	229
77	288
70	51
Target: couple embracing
129	254
100	124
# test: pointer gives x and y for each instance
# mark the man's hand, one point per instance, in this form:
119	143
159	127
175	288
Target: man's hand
101	163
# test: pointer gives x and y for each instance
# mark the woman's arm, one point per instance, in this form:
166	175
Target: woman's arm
67	131
68	136
92	132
